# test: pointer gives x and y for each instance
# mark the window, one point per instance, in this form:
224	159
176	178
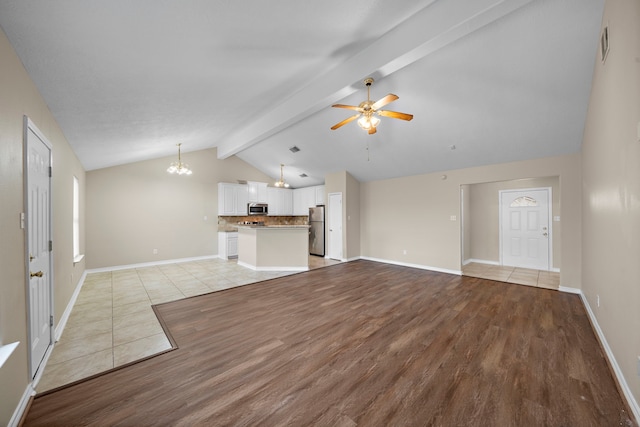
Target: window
76	220
523	201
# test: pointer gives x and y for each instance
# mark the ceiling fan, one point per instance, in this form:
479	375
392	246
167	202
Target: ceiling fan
367	110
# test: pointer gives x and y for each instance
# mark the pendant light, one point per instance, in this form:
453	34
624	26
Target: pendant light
281	183
179	167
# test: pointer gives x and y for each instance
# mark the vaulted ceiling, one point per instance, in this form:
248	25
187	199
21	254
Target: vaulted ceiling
487	81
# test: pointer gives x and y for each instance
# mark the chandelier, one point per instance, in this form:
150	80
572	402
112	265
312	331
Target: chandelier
179	167
281	183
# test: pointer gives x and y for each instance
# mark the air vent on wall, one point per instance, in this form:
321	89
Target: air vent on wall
294	149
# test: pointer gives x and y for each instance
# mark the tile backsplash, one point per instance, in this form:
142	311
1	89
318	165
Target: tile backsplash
228	223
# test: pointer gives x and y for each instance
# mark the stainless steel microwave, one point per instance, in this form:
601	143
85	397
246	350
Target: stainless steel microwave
257	209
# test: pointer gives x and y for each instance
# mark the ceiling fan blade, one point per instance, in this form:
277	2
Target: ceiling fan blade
344	122
372	130
350	107
395	115
384	101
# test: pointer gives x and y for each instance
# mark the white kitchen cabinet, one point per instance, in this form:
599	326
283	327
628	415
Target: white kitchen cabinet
232	199
286	203
320	197
298	202
227	244
280	201
257	192
303	199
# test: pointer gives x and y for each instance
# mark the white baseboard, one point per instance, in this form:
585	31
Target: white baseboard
480	261
406	264
254	268
150	264
22	406
626	391
570	290
67	311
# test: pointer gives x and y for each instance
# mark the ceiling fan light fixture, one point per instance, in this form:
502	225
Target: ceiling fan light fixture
368	109
367	123
179	167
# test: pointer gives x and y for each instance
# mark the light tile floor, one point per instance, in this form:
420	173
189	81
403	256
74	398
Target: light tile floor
520	276
112	322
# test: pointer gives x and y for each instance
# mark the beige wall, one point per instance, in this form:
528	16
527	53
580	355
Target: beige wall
19	97
135	208
352	211
349	187
483	240
611	200
465	212
413	214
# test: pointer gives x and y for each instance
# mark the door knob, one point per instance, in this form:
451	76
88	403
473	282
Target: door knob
36	274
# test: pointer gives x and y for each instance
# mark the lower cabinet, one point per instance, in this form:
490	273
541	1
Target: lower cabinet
227	244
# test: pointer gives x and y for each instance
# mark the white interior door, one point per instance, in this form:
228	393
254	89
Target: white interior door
335	226
38	234
525	233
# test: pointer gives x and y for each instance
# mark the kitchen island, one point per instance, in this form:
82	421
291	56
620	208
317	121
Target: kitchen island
273	247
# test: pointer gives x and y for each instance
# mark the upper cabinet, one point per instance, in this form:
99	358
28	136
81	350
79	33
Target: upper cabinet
320	197
305	198
280	201
257	192
232	199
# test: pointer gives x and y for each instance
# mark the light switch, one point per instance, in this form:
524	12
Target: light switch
453	218
556	218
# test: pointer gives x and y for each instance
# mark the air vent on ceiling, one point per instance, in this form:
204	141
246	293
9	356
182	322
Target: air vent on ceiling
303	175
294	149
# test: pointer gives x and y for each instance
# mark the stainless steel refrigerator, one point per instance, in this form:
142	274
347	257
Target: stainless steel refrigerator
316	231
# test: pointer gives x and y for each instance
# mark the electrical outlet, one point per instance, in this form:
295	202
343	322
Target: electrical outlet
404	252
639	366
453	218
155	252
598	300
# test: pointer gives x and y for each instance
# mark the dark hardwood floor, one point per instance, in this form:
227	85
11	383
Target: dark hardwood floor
359	343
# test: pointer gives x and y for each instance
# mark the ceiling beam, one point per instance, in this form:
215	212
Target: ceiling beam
432	28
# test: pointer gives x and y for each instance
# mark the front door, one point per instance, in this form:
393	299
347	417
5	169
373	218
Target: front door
38	235
525	231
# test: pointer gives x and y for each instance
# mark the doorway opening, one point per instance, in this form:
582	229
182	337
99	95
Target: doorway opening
508	243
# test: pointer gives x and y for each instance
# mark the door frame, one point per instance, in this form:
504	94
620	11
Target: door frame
549	191
30	126
328	214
